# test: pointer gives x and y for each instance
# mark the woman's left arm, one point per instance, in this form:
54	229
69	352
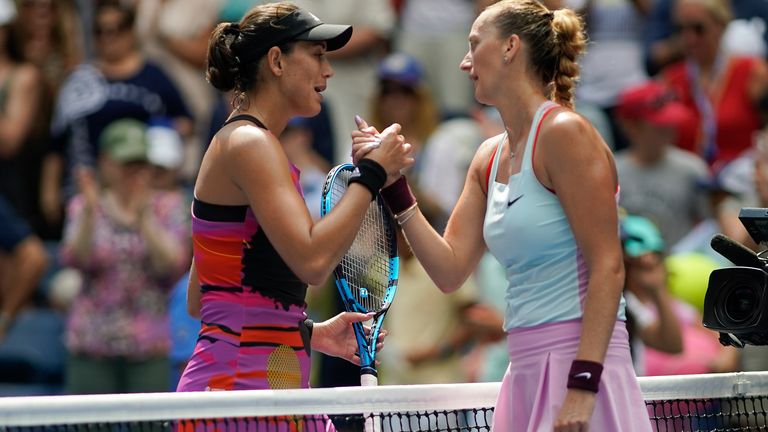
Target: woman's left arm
575	161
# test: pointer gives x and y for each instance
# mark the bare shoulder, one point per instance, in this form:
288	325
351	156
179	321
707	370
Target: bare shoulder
251	152
569	133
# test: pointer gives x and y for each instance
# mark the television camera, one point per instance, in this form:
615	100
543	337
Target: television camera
736	301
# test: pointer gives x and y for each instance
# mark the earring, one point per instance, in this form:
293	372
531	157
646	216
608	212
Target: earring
241	101
505	59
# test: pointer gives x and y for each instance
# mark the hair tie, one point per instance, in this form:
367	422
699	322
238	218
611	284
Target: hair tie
232	29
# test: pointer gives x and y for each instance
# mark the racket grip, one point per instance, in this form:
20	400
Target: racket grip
369	380
372	420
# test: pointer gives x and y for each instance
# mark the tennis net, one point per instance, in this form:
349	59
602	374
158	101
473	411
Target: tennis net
716	402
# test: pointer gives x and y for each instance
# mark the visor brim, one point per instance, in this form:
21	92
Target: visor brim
334	35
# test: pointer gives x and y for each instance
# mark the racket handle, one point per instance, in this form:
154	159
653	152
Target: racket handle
369	380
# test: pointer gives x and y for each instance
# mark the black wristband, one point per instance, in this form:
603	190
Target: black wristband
371	175
585	375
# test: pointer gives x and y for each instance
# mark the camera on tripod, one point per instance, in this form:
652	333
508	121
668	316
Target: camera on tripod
736	302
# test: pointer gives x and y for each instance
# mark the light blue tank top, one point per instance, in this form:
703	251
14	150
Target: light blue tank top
528	232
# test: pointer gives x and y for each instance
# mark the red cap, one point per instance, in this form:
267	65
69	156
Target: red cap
653	102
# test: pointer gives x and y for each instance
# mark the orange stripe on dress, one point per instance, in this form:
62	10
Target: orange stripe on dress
213	330
217	270
292	338
222	382
254	374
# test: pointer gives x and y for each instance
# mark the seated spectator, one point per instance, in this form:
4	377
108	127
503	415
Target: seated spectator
658	180
403	98
118	83
23	261
22	136
651	318
666	334
727	93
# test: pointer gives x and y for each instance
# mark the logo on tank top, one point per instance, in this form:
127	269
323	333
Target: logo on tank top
509	204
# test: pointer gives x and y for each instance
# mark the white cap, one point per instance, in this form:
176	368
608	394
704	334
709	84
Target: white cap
7	12
166	148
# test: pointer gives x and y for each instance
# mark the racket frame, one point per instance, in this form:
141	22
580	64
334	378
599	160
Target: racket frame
366	346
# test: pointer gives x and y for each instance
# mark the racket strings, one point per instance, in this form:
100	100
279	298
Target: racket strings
367	265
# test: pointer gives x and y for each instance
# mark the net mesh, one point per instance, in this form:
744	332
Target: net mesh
721	402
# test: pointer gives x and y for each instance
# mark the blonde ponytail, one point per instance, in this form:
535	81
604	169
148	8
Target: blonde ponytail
570	43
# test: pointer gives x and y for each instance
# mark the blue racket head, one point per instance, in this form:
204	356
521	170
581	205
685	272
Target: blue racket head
367	275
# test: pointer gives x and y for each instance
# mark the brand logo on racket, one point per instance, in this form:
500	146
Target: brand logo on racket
363	293
509	204
585	375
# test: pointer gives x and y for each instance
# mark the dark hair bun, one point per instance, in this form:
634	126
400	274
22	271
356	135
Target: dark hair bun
223	65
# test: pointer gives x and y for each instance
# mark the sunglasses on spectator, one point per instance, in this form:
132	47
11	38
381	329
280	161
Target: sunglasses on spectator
110	30
698	28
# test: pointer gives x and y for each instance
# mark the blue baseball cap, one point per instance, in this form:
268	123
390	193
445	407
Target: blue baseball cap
401	68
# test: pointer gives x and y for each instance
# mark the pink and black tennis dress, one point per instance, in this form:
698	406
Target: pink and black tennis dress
253	305
528	232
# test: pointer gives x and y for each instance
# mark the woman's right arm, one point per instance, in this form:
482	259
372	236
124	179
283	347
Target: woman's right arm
259	167
449	259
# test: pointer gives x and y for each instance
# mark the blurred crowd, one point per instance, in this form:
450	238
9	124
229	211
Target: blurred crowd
105	114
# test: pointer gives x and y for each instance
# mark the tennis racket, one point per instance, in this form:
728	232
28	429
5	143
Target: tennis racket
366	277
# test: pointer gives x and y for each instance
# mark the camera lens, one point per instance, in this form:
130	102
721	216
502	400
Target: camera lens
740	304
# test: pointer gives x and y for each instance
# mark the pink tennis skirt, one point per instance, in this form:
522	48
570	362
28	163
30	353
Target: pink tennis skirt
533	388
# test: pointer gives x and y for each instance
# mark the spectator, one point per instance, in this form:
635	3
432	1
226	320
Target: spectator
23	261
174	34
725	92
118	83
165	153
666	333
20	143
131	245
658	180
402	97
435	32
746	34
651	317
50	37
613	60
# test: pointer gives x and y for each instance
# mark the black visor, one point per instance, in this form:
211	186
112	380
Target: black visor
298	25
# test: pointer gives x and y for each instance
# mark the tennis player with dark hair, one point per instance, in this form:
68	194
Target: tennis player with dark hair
542	198
255	244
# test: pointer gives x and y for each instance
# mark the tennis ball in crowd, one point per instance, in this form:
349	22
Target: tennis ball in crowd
688	277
